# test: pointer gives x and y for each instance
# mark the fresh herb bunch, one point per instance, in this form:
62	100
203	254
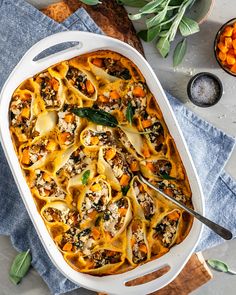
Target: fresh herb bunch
163	19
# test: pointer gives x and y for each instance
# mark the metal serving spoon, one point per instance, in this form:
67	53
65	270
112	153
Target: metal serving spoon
221	231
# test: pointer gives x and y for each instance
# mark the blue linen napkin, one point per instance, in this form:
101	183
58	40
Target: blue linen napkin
21	26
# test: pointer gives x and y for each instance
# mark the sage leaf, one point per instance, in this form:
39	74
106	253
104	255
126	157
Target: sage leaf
153	33
132	3
143	35
149	35
150	7
176	2
179	53
129	113
163	33
91	2
135	16
218	265
20	267
163	46
157	19
188	26
99	117
164	175
85	177
125	189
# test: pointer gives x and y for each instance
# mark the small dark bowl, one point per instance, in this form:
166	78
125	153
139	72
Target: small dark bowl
194	79
230	22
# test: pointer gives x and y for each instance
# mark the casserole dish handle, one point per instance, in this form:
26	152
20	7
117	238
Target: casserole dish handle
119	282
84	45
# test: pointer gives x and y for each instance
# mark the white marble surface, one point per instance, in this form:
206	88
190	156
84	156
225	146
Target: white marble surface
199	58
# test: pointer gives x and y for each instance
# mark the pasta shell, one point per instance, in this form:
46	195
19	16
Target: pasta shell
82	83
112	164
93	200
36	153
131	140
165	229
143	201
95	263
59	212
116	217
95	136
68	128
50	90
46	122
137	246
44	186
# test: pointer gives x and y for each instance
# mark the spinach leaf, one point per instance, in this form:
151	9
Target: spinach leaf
20	267
85	177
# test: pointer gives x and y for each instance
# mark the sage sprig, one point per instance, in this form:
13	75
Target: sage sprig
163	19
220	266
20	267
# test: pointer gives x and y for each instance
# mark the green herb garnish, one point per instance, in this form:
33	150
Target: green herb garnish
129	113
85	177
101	117
164	175
96	116
220	266
179	52
20	267
125	189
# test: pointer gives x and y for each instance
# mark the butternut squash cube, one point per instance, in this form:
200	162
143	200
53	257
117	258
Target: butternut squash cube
222	56
228	31
222	47
96	187
230	59
51	146
228	42
25	113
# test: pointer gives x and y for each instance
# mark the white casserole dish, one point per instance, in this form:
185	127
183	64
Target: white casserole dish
177	257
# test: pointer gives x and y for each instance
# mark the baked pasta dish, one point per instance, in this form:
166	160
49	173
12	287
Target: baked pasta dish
83	129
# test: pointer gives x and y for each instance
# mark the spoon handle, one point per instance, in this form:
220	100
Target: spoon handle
218	229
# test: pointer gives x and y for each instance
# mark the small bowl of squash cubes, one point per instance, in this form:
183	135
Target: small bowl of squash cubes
225	47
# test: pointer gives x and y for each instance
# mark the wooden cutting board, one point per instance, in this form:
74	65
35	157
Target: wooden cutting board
113	20
110	17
